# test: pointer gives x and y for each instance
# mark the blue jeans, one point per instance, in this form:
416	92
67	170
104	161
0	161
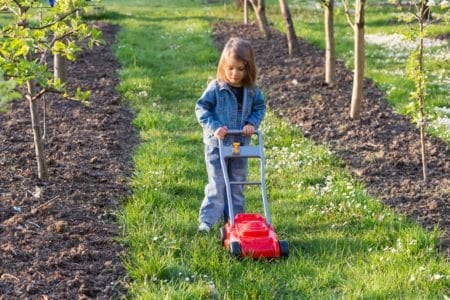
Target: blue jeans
214	205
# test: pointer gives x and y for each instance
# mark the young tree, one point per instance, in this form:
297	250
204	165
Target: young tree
359	55
330	52
416	72
259	6
26	45
291	36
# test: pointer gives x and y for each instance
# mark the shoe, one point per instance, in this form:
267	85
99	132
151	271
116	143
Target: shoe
204	227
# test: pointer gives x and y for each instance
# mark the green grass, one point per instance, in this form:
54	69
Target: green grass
344	243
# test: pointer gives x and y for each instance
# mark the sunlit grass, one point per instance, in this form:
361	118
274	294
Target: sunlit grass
343	242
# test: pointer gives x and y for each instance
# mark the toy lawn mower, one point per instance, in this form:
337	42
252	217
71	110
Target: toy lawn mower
249	234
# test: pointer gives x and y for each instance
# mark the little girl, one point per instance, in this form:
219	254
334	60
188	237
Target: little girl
232	101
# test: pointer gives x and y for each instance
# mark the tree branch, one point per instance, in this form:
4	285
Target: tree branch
62	18
38	95
347	14
255	7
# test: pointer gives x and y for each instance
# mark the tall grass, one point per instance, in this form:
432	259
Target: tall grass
344	243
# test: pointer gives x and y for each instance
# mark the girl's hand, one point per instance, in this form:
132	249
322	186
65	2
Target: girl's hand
221	132
248	130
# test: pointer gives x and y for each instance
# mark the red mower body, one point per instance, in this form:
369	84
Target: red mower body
250	236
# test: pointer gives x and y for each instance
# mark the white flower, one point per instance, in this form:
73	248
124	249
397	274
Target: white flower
445	110
431	3
443	121
436	277
142	94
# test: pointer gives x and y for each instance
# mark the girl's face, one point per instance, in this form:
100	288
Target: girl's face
235	71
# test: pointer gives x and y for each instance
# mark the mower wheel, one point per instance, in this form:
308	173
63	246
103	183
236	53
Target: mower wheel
284	248
223	235
235	249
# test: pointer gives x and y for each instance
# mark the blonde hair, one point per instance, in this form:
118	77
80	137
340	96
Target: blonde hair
239	49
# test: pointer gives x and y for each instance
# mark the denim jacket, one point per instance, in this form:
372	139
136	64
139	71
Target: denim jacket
218	107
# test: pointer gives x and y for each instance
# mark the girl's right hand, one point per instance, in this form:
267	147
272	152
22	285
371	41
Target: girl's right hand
221	132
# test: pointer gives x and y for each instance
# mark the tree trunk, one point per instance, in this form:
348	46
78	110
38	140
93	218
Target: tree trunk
35	124
260	12
291	36
426	14
421	91
358	78
60	67
245	12
330	52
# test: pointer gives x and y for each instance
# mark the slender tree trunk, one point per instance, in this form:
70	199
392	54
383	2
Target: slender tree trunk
245	12
60	67
291	36
330	52
35	123
359	60
421	88
260	12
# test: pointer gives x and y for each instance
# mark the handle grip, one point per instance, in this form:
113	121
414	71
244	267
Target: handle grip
238	131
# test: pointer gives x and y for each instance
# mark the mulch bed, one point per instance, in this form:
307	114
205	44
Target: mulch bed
58	236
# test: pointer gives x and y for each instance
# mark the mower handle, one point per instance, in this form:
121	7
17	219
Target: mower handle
238	131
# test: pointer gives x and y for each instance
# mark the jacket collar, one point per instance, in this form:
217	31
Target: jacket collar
225	86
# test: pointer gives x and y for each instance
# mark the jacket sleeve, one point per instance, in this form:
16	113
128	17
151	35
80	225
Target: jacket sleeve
205	109
258	109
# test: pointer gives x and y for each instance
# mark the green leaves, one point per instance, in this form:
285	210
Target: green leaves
58	47
82	96
7	92
14	48
27	43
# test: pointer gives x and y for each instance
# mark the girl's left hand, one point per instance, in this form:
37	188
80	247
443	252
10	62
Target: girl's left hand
248	130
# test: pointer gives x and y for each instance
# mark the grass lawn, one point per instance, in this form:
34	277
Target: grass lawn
344	243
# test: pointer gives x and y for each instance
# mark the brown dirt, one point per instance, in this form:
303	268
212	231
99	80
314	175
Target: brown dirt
57	236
